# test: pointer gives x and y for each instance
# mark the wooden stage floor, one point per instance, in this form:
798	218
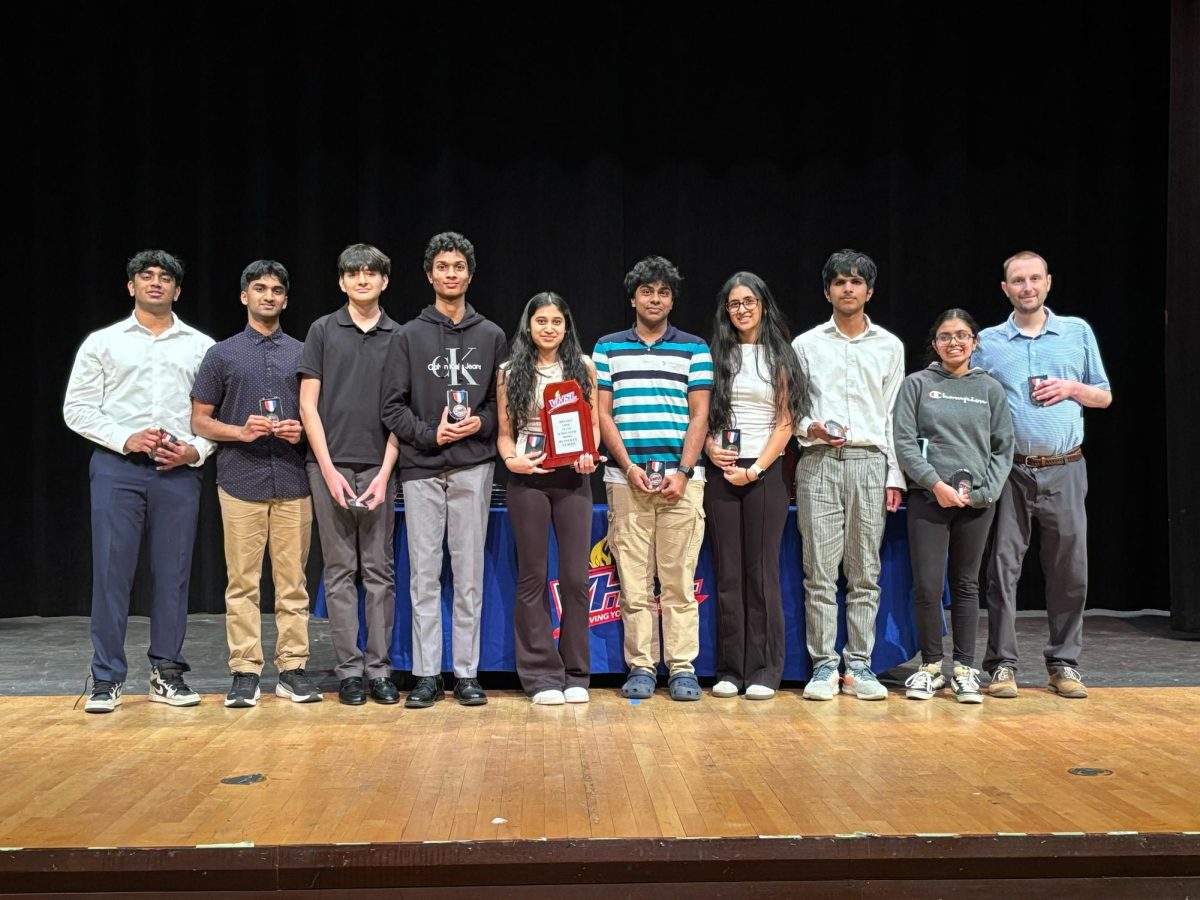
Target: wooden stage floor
151	776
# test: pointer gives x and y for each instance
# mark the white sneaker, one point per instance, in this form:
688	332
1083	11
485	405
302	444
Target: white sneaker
724	689
823	684
862	683
925	682
759	692
548	698
576	695
965	685
167	686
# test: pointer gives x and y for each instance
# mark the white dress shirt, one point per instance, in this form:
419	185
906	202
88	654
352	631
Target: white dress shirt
854	381
127	378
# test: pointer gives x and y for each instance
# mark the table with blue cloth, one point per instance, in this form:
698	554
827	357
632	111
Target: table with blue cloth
895	628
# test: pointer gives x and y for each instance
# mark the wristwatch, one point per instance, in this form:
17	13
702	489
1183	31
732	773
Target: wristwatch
685	471
756	469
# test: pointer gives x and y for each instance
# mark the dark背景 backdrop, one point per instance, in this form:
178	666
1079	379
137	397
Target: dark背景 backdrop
567	149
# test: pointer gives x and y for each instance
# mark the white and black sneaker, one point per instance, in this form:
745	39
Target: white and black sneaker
965	685
167	686
297	687
106	696
244	692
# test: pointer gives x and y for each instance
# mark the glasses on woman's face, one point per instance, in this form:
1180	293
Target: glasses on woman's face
961	337
748	304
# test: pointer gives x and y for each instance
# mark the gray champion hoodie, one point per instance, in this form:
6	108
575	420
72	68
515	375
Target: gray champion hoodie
967	423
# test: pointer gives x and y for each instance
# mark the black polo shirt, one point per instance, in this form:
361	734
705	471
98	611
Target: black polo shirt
236	374
349	364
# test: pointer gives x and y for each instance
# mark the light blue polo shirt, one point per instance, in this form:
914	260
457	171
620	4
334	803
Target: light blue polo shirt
1064	348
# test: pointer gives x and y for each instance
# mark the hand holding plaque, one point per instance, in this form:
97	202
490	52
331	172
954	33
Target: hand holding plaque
566	423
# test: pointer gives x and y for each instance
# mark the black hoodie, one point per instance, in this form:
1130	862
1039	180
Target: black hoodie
427	356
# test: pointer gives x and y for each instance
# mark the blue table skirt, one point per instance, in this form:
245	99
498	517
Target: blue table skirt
895	628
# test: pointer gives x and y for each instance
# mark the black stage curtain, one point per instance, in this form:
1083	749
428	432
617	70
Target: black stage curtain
938	139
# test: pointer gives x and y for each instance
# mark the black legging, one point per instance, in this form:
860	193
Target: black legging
533	500
745	525
934	531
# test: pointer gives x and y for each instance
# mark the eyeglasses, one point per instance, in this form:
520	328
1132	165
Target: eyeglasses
748	304
963	337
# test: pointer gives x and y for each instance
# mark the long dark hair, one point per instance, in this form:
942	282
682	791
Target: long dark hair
931	355
520	378
776	360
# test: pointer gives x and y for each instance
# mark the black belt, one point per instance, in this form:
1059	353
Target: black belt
1036	462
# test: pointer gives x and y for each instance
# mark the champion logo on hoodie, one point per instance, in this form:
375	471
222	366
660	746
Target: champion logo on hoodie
940	395
450	366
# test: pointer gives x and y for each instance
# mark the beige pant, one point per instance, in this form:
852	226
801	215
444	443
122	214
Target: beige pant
249	524
650	535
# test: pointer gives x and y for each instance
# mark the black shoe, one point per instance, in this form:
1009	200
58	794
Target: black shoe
427	691
383	690
468	692
245	691
351	691
295	685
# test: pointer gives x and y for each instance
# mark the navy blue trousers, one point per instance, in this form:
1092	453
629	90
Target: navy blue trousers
130	499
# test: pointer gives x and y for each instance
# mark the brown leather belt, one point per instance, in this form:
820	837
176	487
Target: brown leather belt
1037	462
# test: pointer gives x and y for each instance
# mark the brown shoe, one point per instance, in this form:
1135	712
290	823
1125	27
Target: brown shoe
1004	683
1067	682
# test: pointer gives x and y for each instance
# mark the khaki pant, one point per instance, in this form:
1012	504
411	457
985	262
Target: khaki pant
650	535
249	525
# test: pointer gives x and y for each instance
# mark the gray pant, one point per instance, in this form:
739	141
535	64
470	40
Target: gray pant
1054	495
451	505
841	510
357	543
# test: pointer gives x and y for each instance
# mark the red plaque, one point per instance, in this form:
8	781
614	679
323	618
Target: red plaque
567	424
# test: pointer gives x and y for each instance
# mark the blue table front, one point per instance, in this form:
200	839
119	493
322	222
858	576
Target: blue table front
895	628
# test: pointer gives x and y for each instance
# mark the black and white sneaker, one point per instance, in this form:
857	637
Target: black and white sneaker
167	686
244	692
106	696
296	686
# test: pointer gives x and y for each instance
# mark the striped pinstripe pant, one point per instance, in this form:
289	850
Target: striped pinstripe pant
841	510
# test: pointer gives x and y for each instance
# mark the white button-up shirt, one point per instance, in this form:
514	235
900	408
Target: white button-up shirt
127	378
854	381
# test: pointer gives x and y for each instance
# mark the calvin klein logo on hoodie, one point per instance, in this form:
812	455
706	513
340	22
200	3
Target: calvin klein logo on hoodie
459	372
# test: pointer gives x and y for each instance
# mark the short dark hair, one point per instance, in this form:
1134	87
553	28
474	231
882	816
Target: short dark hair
450	242
652	269
148	259
1024	254
849	262
357	257
261	267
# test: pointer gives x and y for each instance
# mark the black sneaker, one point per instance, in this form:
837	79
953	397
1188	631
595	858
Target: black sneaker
296	686
383	690
351	691
244	692
106	696
167	686
468	692
427	691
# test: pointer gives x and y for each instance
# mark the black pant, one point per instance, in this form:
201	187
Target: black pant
934	531
533	500
745	525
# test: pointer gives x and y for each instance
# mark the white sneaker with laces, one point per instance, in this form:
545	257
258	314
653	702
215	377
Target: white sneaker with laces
823	684
862	683
925	682
965	685
548	698
759	692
